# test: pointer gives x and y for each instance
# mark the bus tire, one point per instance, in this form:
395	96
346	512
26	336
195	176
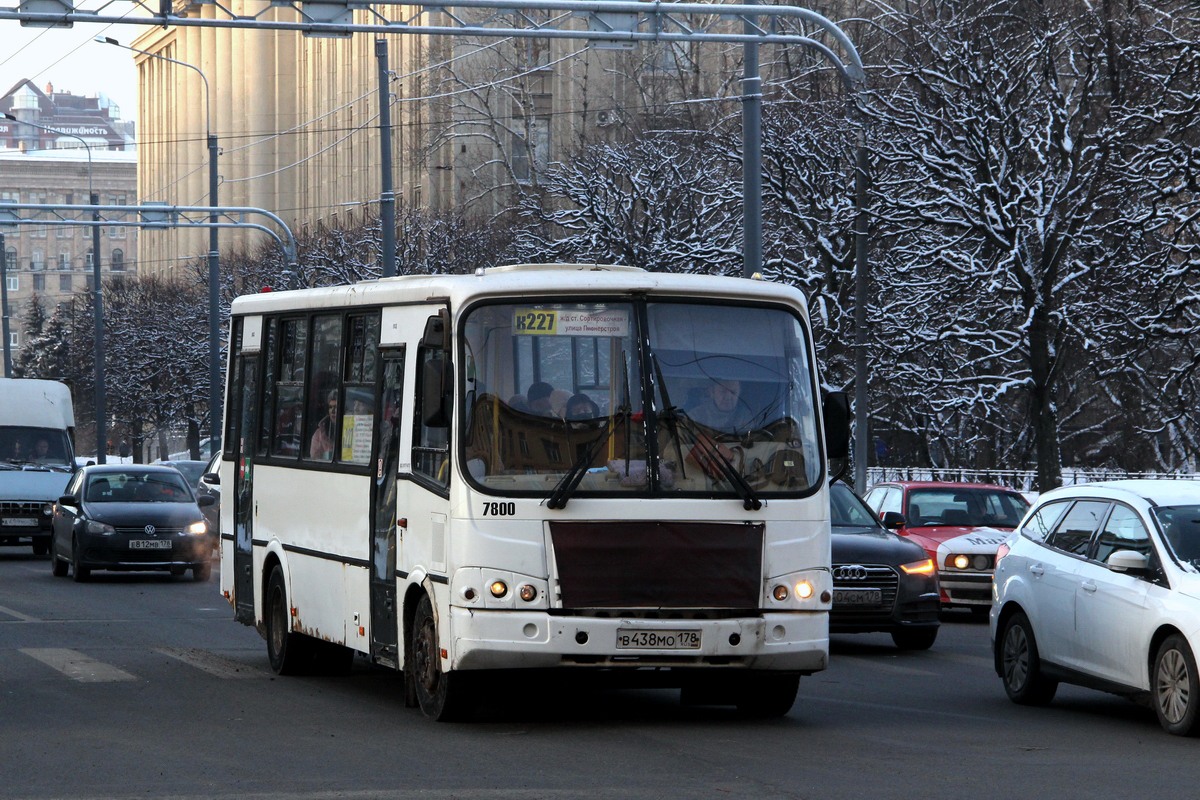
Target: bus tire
288	652
442	696
767	694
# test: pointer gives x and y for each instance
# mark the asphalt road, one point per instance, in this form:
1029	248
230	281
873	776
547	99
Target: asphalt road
142	686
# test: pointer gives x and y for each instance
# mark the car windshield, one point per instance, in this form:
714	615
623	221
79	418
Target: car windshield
192	470
964	507
847	511
137	487
1181	529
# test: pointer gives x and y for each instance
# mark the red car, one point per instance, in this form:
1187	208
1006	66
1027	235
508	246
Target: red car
960	525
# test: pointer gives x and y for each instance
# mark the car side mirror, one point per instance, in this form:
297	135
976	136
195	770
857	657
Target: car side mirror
1128	561
206	500
211	478
68	500
892	520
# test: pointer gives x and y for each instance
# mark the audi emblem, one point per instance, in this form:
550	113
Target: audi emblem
149	530
850	572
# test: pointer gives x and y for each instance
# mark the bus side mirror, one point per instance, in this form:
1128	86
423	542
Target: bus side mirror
835	409
437	331
436	380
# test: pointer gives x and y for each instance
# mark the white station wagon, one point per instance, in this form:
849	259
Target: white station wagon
1100	587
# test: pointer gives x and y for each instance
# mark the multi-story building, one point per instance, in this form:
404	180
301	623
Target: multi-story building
53	261
474	119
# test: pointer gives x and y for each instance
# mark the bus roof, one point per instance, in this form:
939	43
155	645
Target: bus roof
36	403
523	280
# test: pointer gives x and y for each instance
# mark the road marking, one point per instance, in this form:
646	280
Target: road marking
76	665
212	663
18	615
882	666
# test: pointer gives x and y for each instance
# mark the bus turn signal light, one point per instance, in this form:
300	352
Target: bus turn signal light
499	589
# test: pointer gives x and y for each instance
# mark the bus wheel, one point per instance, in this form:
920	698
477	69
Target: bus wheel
443	696
286	651
767	694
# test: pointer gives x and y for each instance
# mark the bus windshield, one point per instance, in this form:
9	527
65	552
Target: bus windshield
657	398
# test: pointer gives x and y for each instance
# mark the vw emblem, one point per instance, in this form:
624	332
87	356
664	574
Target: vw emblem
149	530
850	572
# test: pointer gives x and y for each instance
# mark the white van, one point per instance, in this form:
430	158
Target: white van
37	427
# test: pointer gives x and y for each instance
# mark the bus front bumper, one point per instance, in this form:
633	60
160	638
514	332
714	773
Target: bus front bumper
794	642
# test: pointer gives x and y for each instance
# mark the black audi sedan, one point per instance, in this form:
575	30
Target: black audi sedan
881	581
130	517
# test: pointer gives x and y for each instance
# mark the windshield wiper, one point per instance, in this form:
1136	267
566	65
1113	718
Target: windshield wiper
711	451
570	480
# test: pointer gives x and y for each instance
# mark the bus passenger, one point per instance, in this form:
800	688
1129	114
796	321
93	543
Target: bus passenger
538	398
321	446
580	406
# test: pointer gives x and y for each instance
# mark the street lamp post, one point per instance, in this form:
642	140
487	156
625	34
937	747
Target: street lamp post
98	310
214	271
4	308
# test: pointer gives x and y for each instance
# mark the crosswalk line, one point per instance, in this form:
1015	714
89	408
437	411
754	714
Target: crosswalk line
76	665
212	663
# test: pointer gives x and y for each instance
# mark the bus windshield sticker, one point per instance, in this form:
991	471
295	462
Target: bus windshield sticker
570	322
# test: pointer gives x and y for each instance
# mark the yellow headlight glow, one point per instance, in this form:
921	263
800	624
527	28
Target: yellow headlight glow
499	589
804	590
196	528
962	562
919	567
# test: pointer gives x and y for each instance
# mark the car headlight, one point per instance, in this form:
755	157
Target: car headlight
923	567
977	562
197	528
100	528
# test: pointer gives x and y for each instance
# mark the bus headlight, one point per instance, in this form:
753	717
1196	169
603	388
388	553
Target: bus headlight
804	590
499	589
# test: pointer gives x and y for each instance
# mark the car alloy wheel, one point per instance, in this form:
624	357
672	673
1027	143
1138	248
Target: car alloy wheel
1175	687
1020	667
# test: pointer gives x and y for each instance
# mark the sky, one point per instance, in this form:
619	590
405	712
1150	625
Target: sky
69	59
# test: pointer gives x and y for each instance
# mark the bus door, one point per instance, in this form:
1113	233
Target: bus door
243	489
386	455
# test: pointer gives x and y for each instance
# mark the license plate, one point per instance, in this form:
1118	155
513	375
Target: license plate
858	597
19	522
149	544
638	639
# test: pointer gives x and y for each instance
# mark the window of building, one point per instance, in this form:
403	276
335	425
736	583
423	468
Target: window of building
64	282
530	147
14	282
38	261
87	258
14	339
39	282
11	196
10	258
118	260
64	260
117	231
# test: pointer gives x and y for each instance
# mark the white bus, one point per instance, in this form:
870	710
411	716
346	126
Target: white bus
533	467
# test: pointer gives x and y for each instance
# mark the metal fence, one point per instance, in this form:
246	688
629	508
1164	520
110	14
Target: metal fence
1020	479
